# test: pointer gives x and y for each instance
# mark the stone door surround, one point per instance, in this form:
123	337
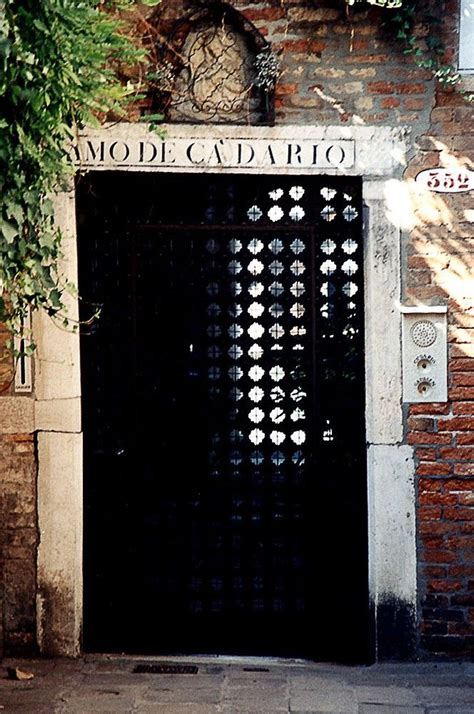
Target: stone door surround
374	153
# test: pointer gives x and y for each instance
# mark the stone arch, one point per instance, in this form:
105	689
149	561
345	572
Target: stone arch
211	65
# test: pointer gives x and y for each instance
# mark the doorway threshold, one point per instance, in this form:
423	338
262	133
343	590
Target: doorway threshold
246	661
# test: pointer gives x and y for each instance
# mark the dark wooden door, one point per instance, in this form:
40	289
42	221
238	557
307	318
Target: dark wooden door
223	415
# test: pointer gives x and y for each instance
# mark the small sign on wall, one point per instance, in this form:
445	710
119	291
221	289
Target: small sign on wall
446	180
424	346
23	367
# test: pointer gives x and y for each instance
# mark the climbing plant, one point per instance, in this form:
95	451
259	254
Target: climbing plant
390	4
428	52
57	61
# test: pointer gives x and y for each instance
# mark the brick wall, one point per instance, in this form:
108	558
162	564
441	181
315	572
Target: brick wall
334	69
440	269
18	521
18	541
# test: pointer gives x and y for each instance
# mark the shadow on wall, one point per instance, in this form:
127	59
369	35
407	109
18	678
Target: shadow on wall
439	261
439	269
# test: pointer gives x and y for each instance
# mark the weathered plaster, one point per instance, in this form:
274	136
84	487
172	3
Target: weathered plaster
382	320
16	415
59	598
392	553
58	423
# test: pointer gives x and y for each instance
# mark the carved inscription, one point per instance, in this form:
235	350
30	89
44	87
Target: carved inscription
222	153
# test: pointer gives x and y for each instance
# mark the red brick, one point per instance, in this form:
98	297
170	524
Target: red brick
434	468
359	45
304	45
414	103
453	128
461	393
466	498
457	484
435	527
457	453
367	59
462	379
459	514
464	543
465	439
463	408
460	570
390	103
421	437
411	88
429	409
429	513
449	99
430	541
264	13
456	424
464	114
464	469
440	556
17	438
442	114
414	261
430	484
444	586
425	293
435	571
436	498
426	454
381	87
461	365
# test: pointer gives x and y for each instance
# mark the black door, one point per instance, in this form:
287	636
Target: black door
223	415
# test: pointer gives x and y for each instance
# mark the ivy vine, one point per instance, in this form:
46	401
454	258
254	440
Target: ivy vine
57	61
428	52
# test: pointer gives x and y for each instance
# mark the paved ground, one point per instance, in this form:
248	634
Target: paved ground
231	685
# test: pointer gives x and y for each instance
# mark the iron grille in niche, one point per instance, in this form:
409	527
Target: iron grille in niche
215	66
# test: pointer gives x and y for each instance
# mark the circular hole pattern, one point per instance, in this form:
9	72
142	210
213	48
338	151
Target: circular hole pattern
423	333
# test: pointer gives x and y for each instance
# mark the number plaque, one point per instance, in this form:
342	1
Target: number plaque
444	180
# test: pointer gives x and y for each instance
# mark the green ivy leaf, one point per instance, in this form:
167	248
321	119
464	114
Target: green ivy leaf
9	231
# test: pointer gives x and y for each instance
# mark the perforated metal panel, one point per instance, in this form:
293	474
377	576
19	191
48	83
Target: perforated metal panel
223	414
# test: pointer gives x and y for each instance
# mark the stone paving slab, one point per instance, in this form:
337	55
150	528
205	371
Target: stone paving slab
387	695
445	695
106	684
389	709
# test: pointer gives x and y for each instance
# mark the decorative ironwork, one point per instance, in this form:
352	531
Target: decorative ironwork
240	427
214	67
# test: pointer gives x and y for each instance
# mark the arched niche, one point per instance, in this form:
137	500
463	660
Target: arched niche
211	65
